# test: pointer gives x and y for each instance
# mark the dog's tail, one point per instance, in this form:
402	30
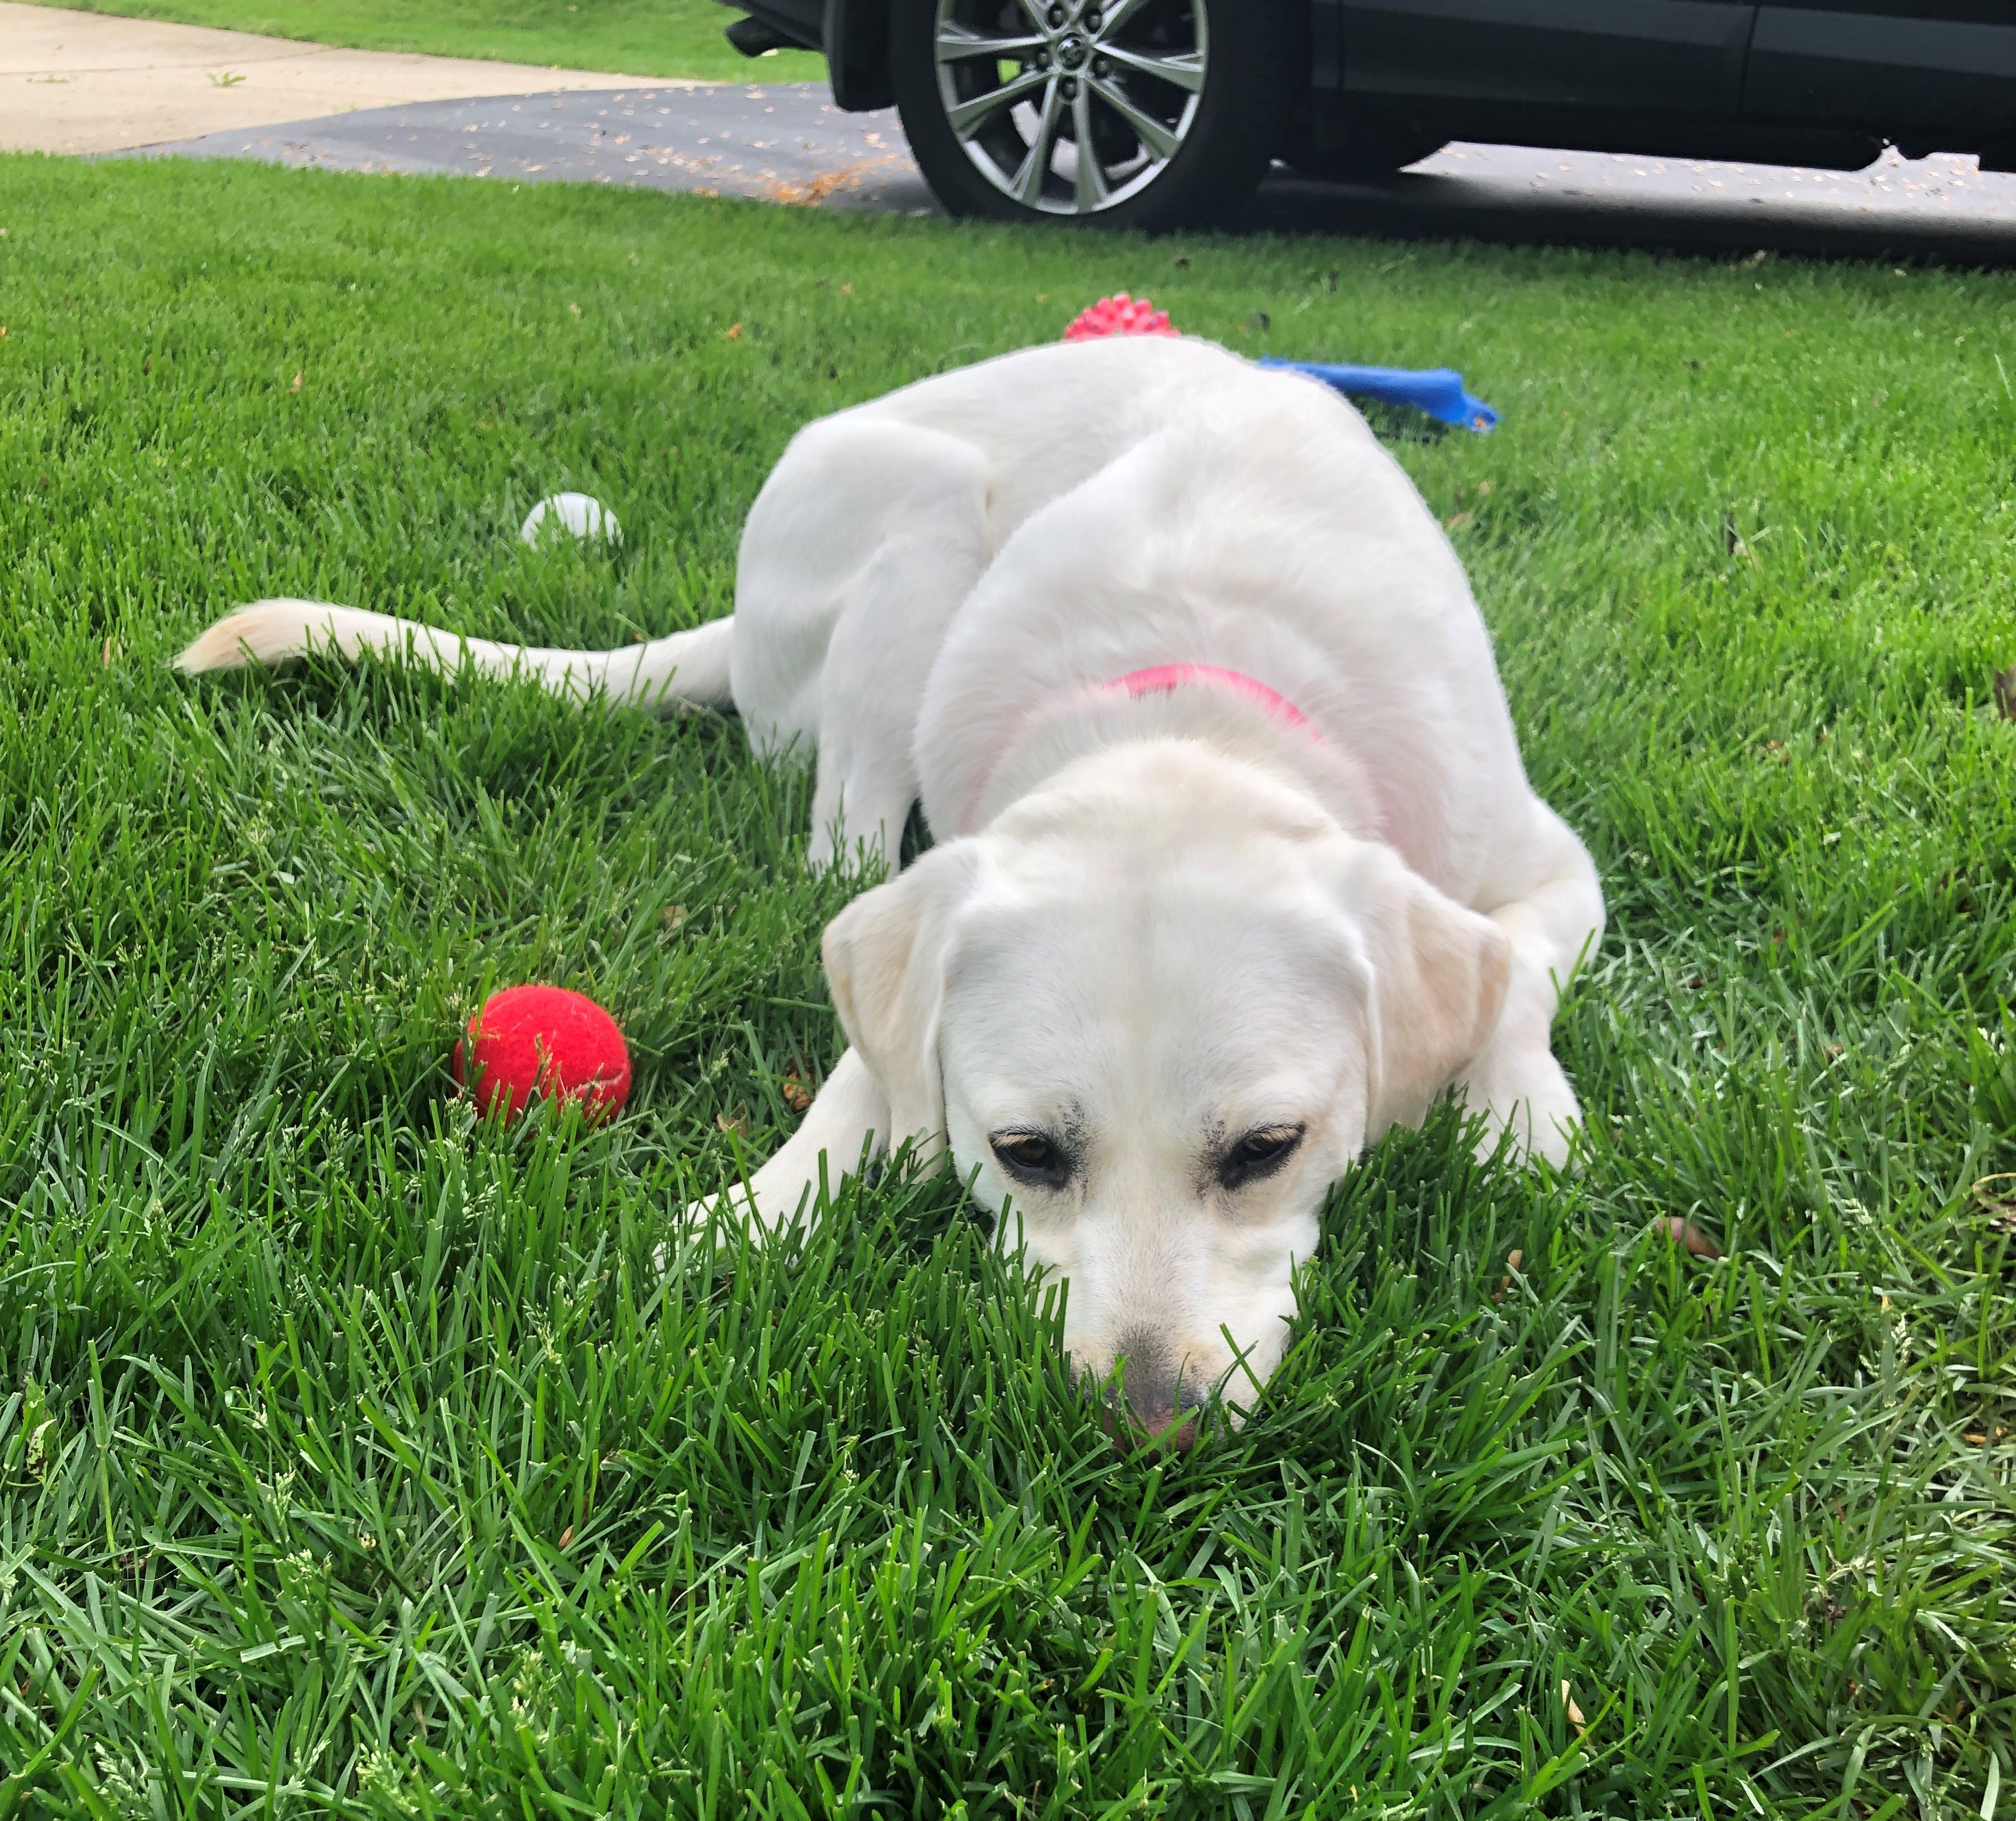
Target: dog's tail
688	668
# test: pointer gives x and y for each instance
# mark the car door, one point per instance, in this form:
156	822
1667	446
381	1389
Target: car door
1942	71
1660	56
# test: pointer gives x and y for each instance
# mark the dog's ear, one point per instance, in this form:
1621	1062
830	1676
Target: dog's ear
885	960
1439	973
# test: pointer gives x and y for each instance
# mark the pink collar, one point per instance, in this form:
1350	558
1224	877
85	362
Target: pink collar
1162	678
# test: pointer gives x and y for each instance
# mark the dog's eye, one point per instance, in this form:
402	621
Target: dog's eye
1029	1156
1259	1153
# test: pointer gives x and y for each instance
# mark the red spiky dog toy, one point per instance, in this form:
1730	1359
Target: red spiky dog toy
1119	315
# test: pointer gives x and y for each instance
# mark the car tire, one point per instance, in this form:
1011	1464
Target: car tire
1183	147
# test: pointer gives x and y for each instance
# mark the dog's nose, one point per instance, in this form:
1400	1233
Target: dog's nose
1163	1426
1153	1382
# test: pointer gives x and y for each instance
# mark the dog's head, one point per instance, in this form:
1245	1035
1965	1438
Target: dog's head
1155	1009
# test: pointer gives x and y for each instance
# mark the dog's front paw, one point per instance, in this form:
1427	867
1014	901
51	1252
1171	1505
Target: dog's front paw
728	1215
1531	1101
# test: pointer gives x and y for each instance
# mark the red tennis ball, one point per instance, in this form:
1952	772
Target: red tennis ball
547	1040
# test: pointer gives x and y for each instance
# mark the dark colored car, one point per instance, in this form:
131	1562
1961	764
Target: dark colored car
1144	113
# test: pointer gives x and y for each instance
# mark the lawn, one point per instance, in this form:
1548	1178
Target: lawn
634	37
354	1458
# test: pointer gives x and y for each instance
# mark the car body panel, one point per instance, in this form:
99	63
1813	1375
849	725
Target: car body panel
1936	70
856	32
802	21
1668	56
1790	80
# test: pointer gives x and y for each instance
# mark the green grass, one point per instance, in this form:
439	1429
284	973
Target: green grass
353	1459
633	37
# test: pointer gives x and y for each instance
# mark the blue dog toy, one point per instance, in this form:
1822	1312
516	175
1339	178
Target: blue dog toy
1438	391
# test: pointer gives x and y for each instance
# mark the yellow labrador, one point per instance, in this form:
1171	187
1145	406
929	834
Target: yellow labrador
1237	864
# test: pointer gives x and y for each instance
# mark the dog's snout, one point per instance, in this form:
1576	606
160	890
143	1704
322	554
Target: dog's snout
1152	1378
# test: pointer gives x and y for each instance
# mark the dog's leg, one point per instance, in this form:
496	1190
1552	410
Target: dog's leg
1516	1082
881	657
849	1107
862	544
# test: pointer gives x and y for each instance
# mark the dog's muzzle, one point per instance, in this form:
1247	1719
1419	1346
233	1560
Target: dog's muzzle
1161	1406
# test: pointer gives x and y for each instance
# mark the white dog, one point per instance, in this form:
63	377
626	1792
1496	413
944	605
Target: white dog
1237	864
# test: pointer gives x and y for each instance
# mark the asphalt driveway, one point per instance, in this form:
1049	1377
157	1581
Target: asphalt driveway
788	143
785	143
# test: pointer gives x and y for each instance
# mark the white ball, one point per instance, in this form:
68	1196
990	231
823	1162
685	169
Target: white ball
577	514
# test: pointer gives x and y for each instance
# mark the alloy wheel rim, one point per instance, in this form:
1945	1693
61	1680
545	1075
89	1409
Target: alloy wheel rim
1069	107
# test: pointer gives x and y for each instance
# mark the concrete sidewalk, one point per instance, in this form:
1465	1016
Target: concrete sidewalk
89	82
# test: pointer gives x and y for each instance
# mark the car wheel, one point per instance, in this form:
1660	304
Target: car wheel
1139	113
